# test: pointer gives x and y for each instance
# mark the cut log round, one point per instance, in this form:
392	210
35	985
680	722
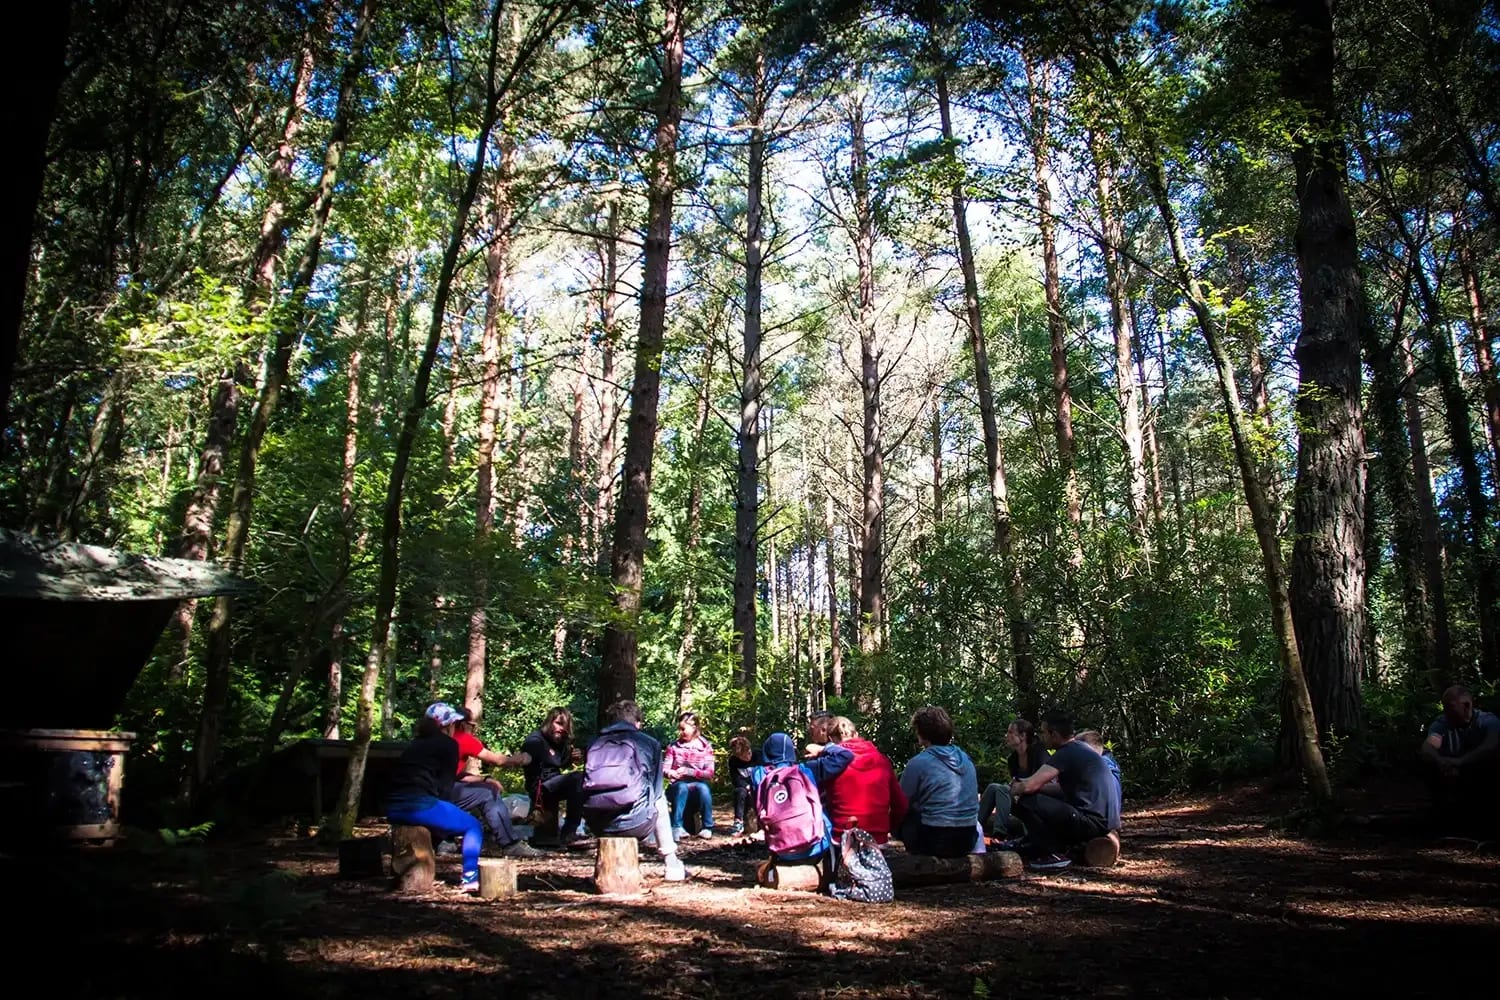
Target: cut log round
789	877
1102	852
912	870
544	826
497	878
412	860
617	866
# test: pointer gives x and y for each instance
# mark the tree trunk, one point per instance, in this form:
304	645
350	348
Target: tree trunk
1328	563
835	631
1393	469
497	273
196	540
872	517
1427	518
278	364
333	706
1113	232
747	476
1479	332
1024	671
1262	516
617	668
385	593
37	70
1038	79
694	528
609	397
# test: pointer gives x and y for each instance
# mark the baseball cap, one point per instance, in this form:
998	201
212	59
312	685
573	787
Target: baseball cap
445	714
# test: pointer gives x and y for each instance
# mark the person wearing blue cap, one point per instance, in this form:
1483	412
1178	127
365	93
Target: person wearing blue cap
421	781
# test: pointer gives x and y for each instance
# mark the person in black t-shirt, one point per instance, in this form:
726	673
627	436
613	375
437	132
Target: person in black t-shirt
1026	755
741	760
548	780
421	781
1089	806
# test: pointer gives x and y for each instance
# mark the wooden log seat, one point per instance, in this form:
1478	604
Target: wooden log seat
412	859
789	877
497	878
544	826
1103	852
617	866
912	870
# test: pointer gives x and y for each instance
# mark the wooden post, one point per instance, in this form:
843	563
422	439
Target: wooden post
497	878
412	859
617	867
789	876
1102	852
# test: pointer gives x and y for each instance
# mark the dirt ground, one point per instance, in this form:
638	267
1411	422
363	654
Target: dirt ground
1209	900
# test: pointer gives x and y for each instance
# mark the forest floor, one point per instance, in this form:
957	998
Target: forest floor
1211	898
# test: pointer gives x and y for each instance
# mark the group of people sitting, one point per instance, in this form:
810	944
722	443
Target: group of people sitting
1064	790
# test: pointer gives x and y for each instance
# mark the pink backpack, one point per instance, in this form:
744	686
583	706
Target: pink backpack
790	811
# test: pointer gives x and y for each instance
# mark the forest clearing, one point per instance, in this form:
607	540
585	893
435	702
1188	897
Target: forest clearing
1209	900
1046	396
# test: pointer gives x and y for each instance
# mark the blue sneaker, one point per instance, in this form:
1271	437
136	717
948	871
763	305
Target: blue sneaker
1050	863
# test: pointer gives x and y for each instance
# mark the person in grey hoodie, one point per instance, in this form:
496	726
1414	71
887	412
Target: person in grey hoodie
942	788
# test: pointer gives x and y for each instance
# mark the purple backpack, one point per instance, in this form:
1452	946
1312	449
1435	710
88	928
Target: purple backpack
613	778
790	811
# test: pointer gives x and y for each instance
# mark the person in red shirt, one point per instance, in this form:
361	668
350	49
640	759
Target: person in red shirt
482	796
867	794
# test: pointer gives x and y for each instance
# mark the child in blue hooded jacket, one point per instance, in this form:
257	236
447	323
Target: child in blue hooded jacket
943	789
830	762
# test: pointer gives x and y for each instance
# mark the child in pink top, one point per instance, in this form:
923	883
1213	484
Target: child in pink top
688	764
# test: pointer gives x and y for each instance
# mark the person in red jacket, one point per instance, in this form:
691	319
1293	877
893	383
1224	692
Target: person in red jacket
867	794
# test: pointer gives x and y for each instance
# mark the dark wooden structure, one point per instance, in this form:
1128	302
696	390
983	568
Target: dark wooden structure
80	622
302	780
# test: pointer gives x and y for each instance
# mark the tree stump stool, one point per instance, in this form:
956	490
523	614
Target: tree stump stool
412	859
789	877
617	866
1102	852
497	878
362	857
544	826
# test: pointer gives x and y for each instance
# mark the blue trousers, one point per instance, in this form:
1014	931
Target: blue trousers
678	794
444	817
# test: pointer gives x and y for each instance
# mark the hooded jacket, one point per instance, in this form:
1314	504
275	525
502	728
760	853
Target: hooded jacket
867	795
942	787
780	751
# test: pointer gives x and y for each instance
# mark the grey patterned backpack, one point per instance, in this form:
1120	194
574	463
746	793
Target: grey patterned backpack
863	874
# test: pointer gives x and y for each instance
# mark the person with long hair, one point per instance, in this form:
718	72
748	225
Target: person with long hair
1026	755
548	778
689	765
866	794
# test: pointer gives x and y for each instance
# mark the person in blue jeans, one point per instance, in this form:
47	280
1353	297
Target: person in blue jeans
688	763
421	780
